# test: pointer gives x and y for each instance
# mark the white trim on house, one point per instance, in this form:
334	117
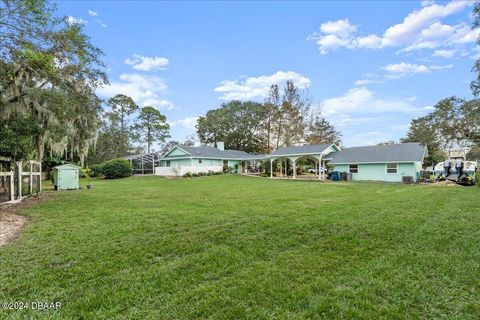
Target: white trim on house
304	154
216	158
176	147
397	168
356	162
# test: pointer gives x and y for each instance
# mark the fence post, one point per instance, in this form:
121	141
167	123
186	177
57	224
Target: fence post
12	186
40	178
31	178
19	165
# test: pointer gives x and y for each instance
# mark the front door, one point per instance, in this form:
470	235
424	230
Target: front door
243	167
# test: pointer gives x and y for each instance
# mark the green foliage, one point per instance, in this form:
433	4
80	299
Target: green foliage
475	84
50	70
477	174
319	131
96	170
453	121
474	153
282	120
187	175
122	106
117	168
151	126
237	123
85	172
16	137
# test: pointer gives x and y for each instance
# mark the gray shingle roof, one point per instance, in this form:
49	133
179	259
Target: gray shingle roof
212	152
307	149
401	152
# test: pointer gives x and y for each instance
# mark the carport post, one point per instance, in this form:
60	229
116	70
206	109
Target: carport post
320	173
294	161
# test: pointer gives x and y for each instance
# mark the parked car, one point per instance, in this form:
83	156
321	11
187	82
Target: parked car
312	170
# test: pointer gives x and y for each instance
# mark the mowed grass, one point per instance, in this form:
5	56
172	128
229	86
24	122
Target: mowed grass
231	247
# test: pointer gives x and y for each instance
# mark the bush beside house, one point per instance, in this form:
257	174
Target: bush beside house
96	170
117	168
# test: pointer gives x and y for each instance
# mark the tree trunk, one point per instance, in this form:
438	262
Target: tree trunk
149	141
40	147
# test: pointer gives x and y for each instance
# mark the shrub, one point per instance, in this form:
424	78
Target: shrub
85	172
187	175
264	174
117	168
477	176
201	174
96	170
195	175
219	173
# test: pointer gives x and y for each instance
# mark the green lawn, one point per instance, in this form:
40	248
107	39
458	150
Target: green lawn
230	247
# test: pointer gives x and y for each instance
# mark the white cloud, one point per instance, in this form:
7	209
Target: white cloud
406	68
188	122
341	28
362	82
92	13
415	22
400	70
160	103
420	29
363	101
143	63
144	90
370	138
258	87
444	53
73	20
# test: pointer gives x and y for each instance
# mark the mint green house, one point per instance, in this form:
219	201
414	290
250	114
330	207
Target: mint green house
387	163
182	159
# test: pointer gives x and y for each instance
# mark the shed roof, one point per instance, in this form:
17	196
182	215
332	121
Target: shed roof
67	165
306	149
400	152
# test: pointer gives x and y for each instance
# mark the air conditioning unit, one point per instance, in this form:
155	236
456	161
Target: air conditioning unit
407	179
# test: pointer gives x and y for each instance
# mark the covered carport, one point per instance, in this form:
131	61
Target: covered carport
317	153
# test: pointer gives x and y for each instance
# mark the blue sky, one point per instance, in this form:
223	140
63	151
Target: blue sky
369	66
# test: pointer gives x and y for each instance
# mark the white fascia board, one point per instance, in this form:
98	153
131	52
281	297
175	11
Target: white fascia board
175	147
378	162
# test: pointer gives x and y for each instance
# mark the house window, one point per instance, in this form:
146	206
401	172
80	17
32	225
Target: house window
168	163
199	160
392	167
353	168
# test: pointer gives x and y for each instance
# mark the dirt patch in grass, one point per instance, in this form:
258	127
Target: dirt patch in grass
12	223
